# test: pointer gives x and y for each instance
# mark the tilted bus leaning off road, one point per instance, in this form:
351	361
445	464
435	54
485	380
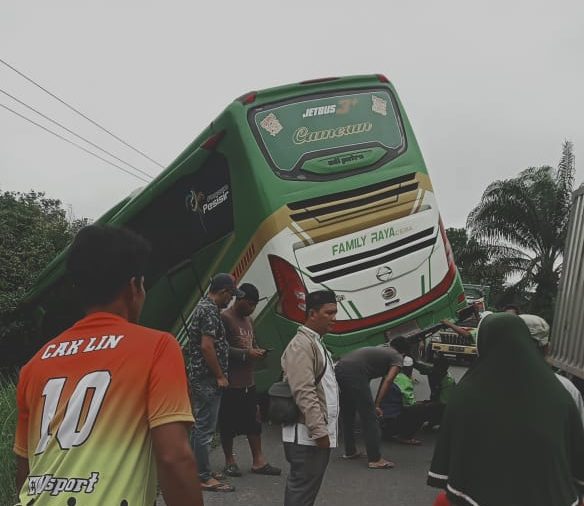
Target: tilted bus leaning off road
314	185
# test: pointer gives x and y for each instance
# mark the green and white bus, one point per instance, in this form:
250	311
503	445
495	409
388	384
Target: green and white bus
314	185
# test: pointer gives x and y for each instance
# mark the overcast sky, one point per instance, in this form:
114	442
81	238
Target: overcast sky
490	87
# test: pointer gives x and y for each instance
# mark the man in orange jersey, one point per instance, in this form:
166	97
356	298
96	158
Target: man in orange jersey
103	409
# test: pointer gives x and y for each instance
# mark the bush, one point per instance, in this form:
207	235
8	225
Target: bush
7	429
34	229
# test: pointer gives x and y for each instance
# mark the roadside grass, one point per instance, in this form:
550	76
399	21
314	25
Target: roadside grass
7	428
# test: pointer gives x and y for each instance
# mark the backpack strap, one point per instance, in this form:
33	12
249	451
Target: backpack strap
326	360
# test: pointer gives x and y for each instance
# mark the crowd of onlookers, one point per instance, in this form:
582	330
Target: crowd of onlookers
106	408
511	433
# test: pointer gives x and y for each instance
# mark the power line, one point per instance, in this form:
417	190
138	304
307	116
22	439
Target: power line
80	113
73	133
74	144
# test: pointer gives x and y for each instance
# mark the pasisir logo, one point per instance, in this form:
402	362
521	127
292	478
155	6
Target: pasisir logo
198	202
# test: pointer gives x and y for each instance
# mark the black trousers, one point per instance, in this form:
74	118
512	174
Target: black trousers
355	397
307	467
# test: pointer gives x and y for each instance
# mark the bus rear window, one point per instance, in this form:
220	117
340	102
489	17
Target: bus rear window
329	136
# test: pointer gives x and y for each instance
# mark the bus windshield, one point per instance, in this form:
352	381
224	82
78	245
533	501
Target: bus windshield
329	135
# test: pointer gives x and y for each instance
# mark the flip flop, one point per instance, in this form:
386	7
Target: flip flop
218	487
386	465
268	470
354	456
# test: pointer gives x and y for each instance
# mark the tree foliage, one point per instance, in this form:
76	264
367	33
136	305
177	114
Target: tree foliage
475	263
34	229
522	223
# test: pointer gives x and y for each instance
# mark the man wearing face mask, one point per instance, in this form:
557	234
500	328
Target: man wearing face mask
207	363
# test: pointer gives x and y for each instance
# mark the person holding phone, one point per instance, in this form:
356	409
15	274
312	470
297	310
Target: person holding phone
239	405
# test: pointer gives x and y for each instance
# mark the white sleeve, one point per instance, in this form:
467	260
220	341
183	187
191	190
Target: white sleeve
575	393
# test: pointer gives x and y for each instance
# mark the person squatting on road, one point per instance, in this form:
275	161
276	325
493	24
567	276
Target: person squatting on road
207	363
354	372
103	409
239	405
402	415
441	386
308	368
511	433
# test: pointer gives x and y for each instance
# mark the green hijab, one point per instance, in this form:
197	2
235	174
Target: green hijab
511	435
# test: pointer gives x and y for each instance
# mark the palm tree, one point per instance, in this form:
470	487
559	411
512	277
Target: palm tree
523	222
477	264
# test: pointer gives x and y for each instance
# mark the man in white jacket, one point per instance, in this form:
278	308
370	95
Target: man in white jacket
308	368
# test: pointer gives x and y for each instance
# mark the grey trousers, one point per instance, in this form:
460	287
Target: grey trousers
307	467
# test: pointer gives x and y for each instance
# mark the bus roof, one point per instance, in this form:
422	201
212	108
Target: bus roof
311	86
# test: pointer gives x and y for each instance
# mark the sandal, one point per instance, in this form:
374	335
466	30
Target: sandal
267	470
387	464
218	487
231	470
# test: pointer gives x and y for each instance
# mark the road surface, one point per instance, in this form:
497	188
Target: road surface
347	483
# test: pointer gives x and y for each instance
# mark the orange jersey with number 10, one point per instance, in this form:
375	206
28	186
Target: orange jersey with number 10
86	403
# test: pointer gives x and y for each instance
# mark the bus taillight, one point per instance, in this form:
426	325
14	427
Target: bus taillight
290	288
382	78
248	98
211	143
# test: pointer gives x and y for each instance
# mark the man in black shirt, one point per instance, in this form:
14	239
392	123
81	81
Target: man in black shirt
354	373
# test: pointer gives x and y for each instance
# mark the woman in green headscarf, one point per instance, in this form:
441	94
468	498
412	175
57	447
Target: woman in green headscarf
511	435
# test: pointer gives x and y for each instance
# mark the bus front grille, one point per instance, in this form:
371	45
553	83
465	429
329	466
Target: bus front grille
415	242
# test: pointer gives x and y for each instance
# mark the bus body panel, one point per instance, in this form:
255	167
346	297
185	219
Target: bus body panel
221	206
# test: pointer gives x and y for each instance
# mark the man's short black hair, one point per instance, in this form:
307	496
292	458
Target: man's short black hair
249	292
401	344
102	259
315	300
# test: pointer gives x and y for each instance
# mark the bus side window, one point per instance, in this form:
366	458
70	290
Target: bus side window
192	213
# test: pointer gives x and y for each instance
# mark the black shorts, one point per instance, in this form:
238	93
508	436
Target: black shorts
238	412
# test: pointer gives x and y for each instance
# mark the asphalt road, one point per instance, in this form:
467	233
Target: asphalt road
347	483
